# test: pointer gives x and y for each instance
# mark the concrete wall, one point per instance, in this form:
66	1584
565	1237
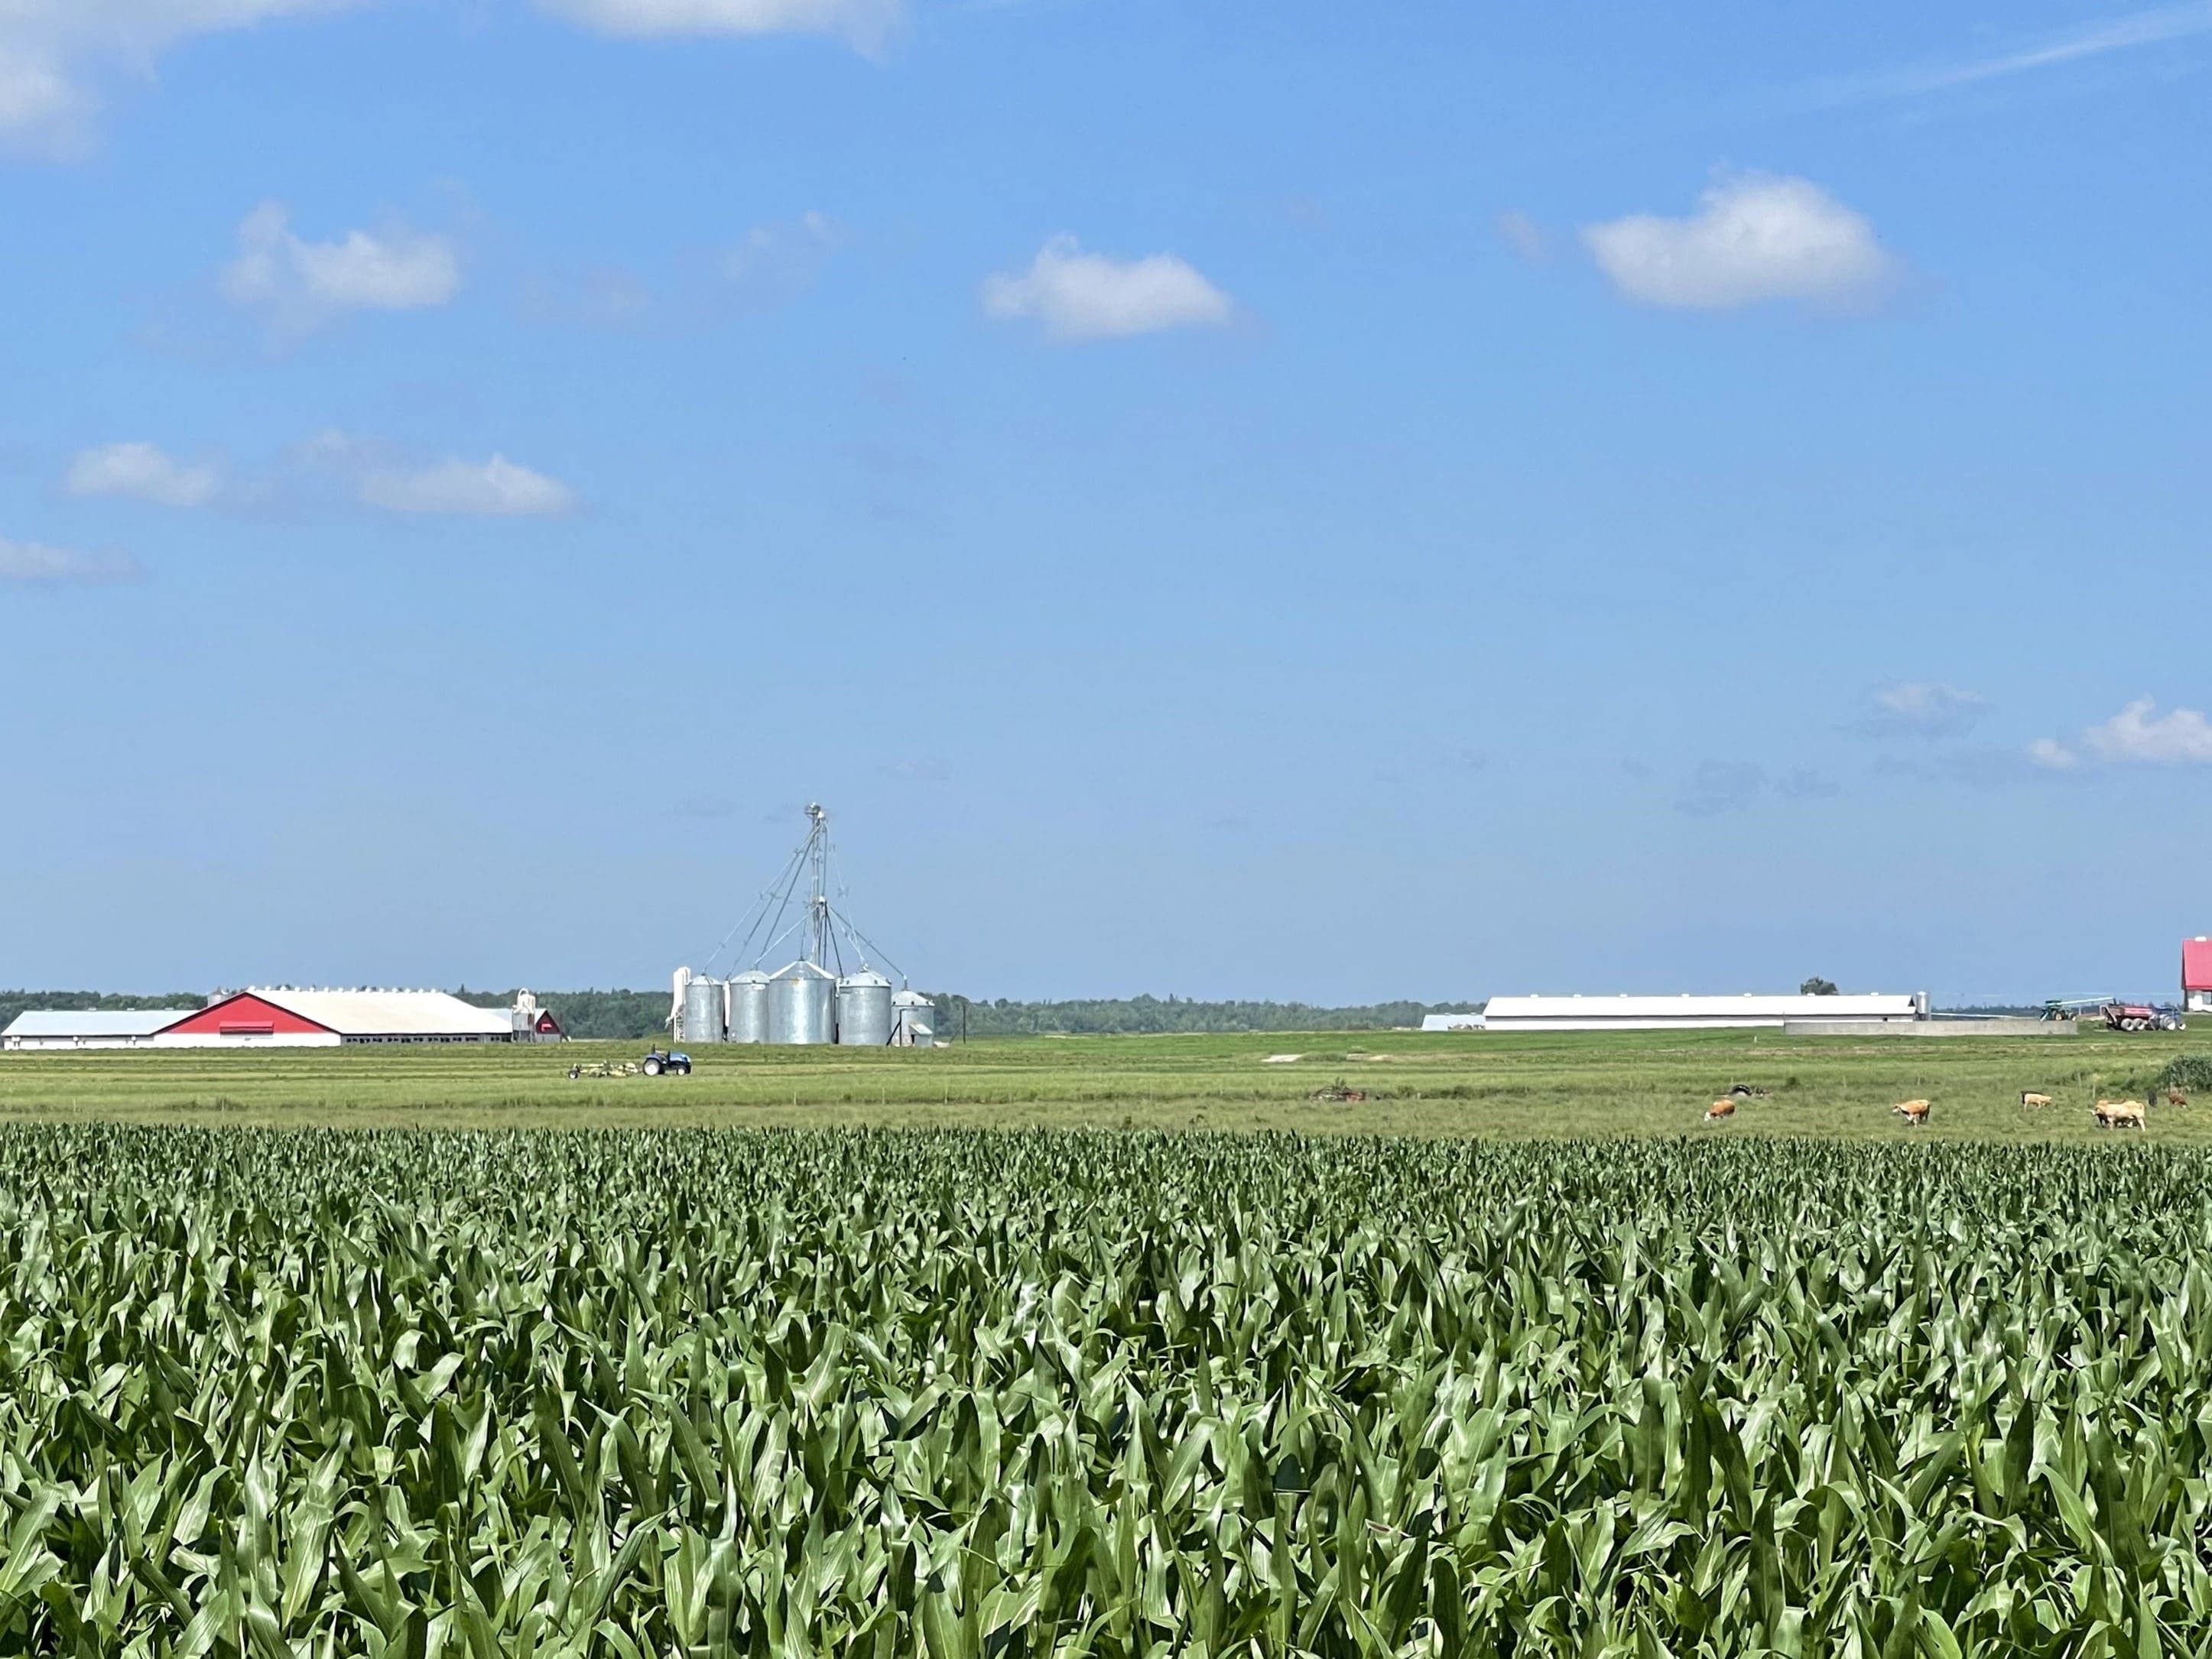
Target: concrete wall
2000	1026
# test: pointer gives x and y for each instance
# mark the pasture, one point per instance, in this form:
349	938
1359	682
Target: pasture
1470	1085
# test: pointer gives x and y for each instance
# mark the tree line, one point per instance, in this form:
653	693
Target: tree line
1160	1016
636	1016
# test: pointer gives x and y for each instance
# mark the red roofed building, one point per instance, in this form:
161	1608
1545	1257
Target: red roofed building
246	1018
283	1016
2196	974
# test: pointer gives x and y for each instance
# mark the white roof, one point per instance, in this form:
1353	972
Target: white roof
91	1022
1451	1022
1748	1005
391	1013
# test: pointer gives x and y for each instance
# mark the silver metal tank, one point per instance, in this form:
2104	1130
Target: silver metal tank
914	1020
863	1011
749	1007
802	1003
702	1013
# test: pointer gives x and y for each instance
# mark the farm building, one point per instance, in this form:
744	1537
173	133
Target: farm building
1451	1022
54	1028
1626	1013
2196	974
284	1017
533	1023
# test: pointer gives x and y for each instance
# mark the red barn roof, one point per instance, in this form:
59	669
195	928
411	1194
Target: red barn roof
244	1015
2197	964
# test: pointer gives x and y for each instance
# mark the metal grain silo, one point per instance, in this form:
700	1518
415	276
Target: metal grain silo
914	1021
749	1007
802	1003
863	1011
702	1013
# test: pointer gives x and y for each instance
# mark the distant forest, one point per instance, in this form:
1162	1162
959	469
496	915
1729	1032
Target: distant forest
1139	1016
633	1015
611	1015
638	1014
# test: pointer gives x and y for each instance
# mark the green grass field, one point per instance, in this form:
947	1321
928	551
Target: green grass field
1442	1085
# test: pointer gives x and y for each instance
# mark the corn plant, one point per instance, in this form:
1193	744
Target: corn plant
676	1393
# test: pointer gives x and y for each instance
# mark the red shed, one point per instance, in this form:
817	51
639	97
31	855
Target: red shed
2197	974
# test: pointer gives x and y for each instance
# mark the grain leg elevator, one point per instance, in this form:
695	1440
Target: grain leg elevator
830	993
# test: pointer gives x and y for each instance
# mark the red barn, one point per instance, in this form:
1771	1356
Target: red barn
2196	974
533	1023
249	1018
286	1017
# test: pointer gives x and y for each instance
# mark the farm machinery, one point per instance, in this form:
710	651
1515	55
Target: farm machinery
2141	1016
2117	1015
658	1062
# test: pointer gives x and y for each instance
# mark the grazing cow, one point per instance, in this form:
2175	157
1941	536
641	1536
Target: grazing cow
2120	1115
2029	1098
1745	1091
1914	1112
2175	1097
1724	1107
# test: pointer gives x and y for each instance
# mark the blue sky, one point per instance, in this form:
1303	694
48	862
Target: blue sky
1244	500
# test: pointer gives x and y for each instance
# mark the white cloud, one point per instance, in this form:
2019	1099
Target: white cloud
866	24
2155	26
1927	709
54	52
2137	736
776	262
33	564
40	106
2049	753
1089	296
1524	235
1752	240
299	285
331	469
142	471
1719	786
497	487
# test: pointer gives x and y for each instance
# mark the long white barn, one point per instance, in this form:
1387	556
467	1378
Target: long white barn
286	1017
1628	1013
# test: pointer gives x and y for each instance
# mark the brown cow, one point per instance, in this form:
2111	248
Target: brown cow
1914	1112
2120	1115
2029	1098
1724	1107
2175	1097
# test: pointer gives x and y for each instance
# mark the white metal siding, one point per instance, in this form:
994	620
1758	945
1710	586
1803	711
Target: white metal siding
1628	1014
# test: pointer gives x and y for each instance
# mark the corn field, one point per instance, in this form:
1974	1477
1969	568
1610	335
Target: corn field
676	1393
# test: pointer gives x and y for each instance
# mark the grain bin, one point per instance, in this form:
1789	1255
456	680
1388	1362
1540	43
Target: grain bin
802	1003
702	1013
914	1021
749	1007
863	1011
